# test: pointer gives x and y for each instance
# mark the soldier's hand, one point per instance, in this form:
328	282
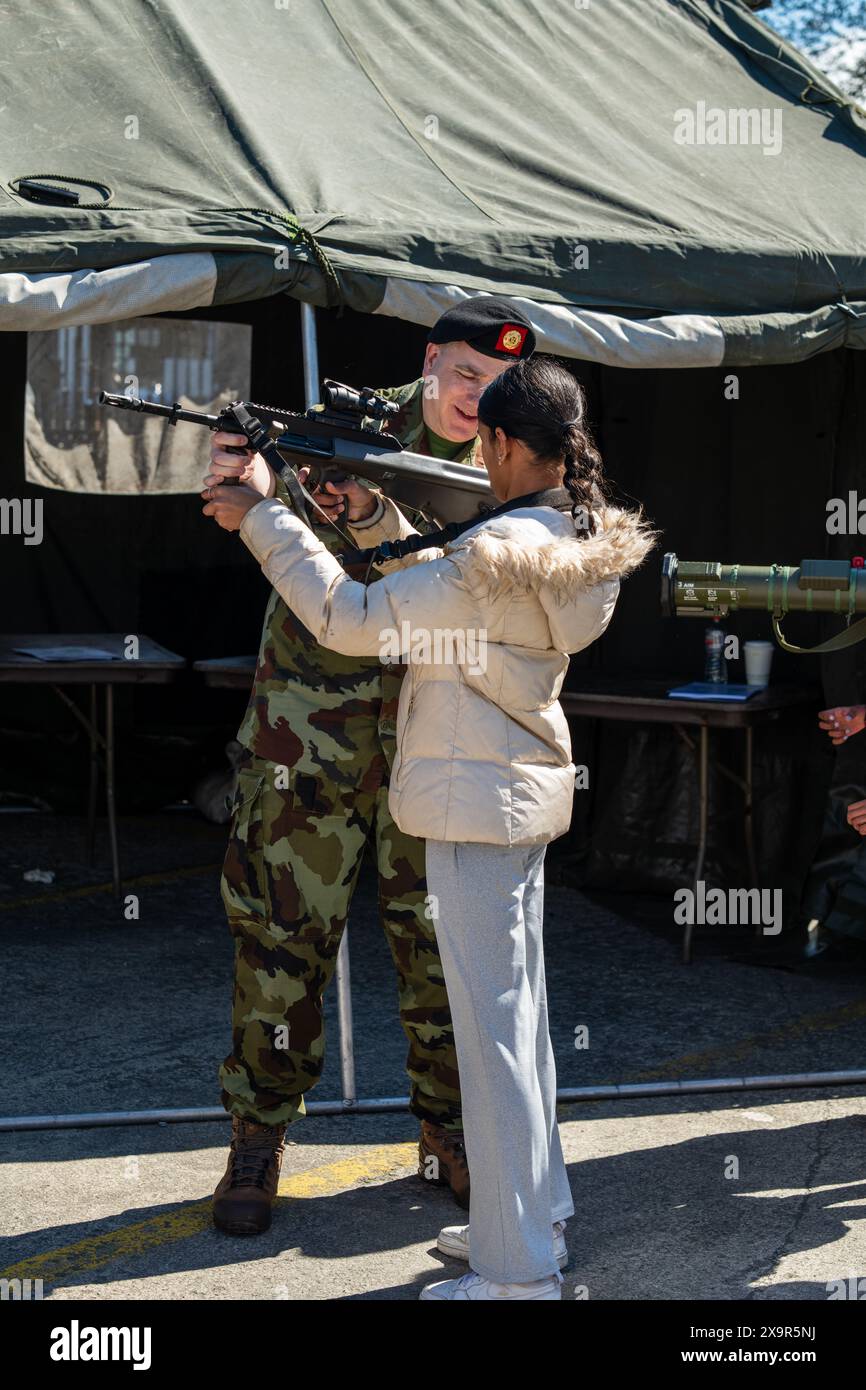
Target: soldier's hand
843	721
360	501
247	468
857	816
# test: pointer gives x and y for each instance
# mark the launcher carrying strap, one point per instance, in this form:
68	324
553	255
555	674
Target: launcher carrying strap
849	638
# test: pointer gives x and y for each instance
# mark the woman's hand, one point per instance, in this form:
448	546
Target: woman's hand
843	721
229	504
857	816
248	468
253	474
360	501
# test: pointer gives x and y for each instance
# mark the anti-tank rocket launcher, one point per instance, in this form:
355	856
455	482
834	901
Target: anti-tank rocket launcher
712	589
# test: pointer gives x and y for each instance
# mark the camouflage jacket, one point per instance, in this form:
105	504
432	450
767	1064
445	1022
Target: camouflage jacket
313	709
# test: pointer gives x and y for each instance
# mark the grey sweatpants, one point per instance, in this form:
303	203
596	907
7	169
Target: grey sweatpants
488	908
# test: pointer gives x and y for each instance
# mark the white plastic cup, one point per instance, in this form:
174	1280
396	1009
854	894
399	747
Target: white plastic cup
758	657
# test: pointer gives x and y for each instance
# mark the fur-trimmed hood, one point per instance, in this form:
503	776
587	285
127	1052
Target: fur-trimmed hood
520	551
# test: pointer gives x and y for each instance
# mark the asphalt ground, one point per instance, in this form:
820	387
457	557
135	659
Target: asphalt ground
743	1196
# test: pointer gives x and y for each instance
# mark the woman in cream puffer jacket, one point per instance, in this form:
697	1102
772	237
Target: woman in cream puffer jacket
488	731
483	770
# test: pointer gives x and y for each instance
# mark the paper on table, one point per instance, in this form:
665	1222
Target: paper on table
706	690
68	653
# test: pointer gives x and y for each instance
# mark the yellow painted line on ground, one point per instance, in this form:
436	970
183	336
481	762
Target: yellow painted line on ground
346	1172
142	881
94	1252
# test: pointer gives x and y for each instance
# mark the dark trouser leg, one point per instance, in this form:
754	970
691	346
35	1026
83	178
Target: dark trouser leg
288	879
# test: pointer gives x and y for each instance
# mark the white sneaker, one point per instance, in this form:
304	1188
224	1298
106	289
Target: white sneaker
473	1286
454	1241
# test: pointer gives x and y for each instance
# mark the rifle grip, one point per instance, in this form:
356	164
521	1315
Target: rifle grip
318	476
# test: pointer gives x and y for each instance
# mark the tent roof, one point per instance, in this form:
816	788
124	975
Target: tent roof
429	150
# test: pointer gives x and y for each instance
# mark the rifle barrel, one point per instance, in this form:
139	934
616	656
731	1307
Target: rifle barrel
172	413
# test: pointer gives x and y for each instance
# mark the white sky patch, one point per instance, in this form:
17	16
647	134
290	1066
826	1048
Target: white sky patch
844	61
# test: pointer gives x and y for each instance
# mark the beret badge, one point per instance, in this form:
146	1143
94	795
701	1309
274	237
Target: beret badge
511	339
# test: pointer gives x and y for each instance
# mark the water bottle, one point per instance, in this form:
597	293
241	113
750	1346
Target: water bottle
715	665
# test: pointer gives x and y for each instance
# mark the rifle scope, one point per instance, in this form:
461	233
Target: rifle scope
336	396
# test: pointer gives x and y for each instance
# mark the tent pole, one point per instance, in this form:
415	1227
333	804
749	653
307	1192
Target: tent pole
347	1036
310	351
632	1091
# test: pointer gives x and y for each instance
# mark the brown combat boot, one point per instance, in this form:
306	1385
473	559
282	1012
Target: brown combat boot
442	1160
243	1200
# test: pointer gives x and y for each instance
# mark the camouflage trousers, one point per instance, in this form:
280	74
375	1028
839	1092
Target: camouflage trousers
290	870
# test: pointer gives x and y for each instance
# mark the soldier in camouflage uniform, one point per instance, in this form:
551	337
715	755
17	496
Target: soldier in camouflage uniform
319	740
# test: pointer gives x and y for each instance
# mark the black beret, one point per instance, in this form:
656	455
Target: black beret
489	324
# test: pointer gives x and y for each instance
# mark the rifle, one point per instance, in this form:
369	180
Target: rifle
333	442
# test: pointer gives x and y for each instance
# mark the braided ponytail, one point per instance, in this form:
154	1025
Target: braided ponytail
539	402
583	478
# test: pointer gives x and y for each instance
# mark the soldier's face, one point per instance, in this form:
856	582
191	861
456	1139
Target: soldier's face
455	377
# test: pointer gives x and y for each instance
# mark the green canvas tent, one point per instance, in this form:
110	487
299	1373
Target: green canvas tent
665	182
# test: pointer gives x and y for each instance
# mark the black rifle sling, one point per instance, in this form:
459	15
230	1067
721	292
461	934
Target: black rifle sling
261	442
557	497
